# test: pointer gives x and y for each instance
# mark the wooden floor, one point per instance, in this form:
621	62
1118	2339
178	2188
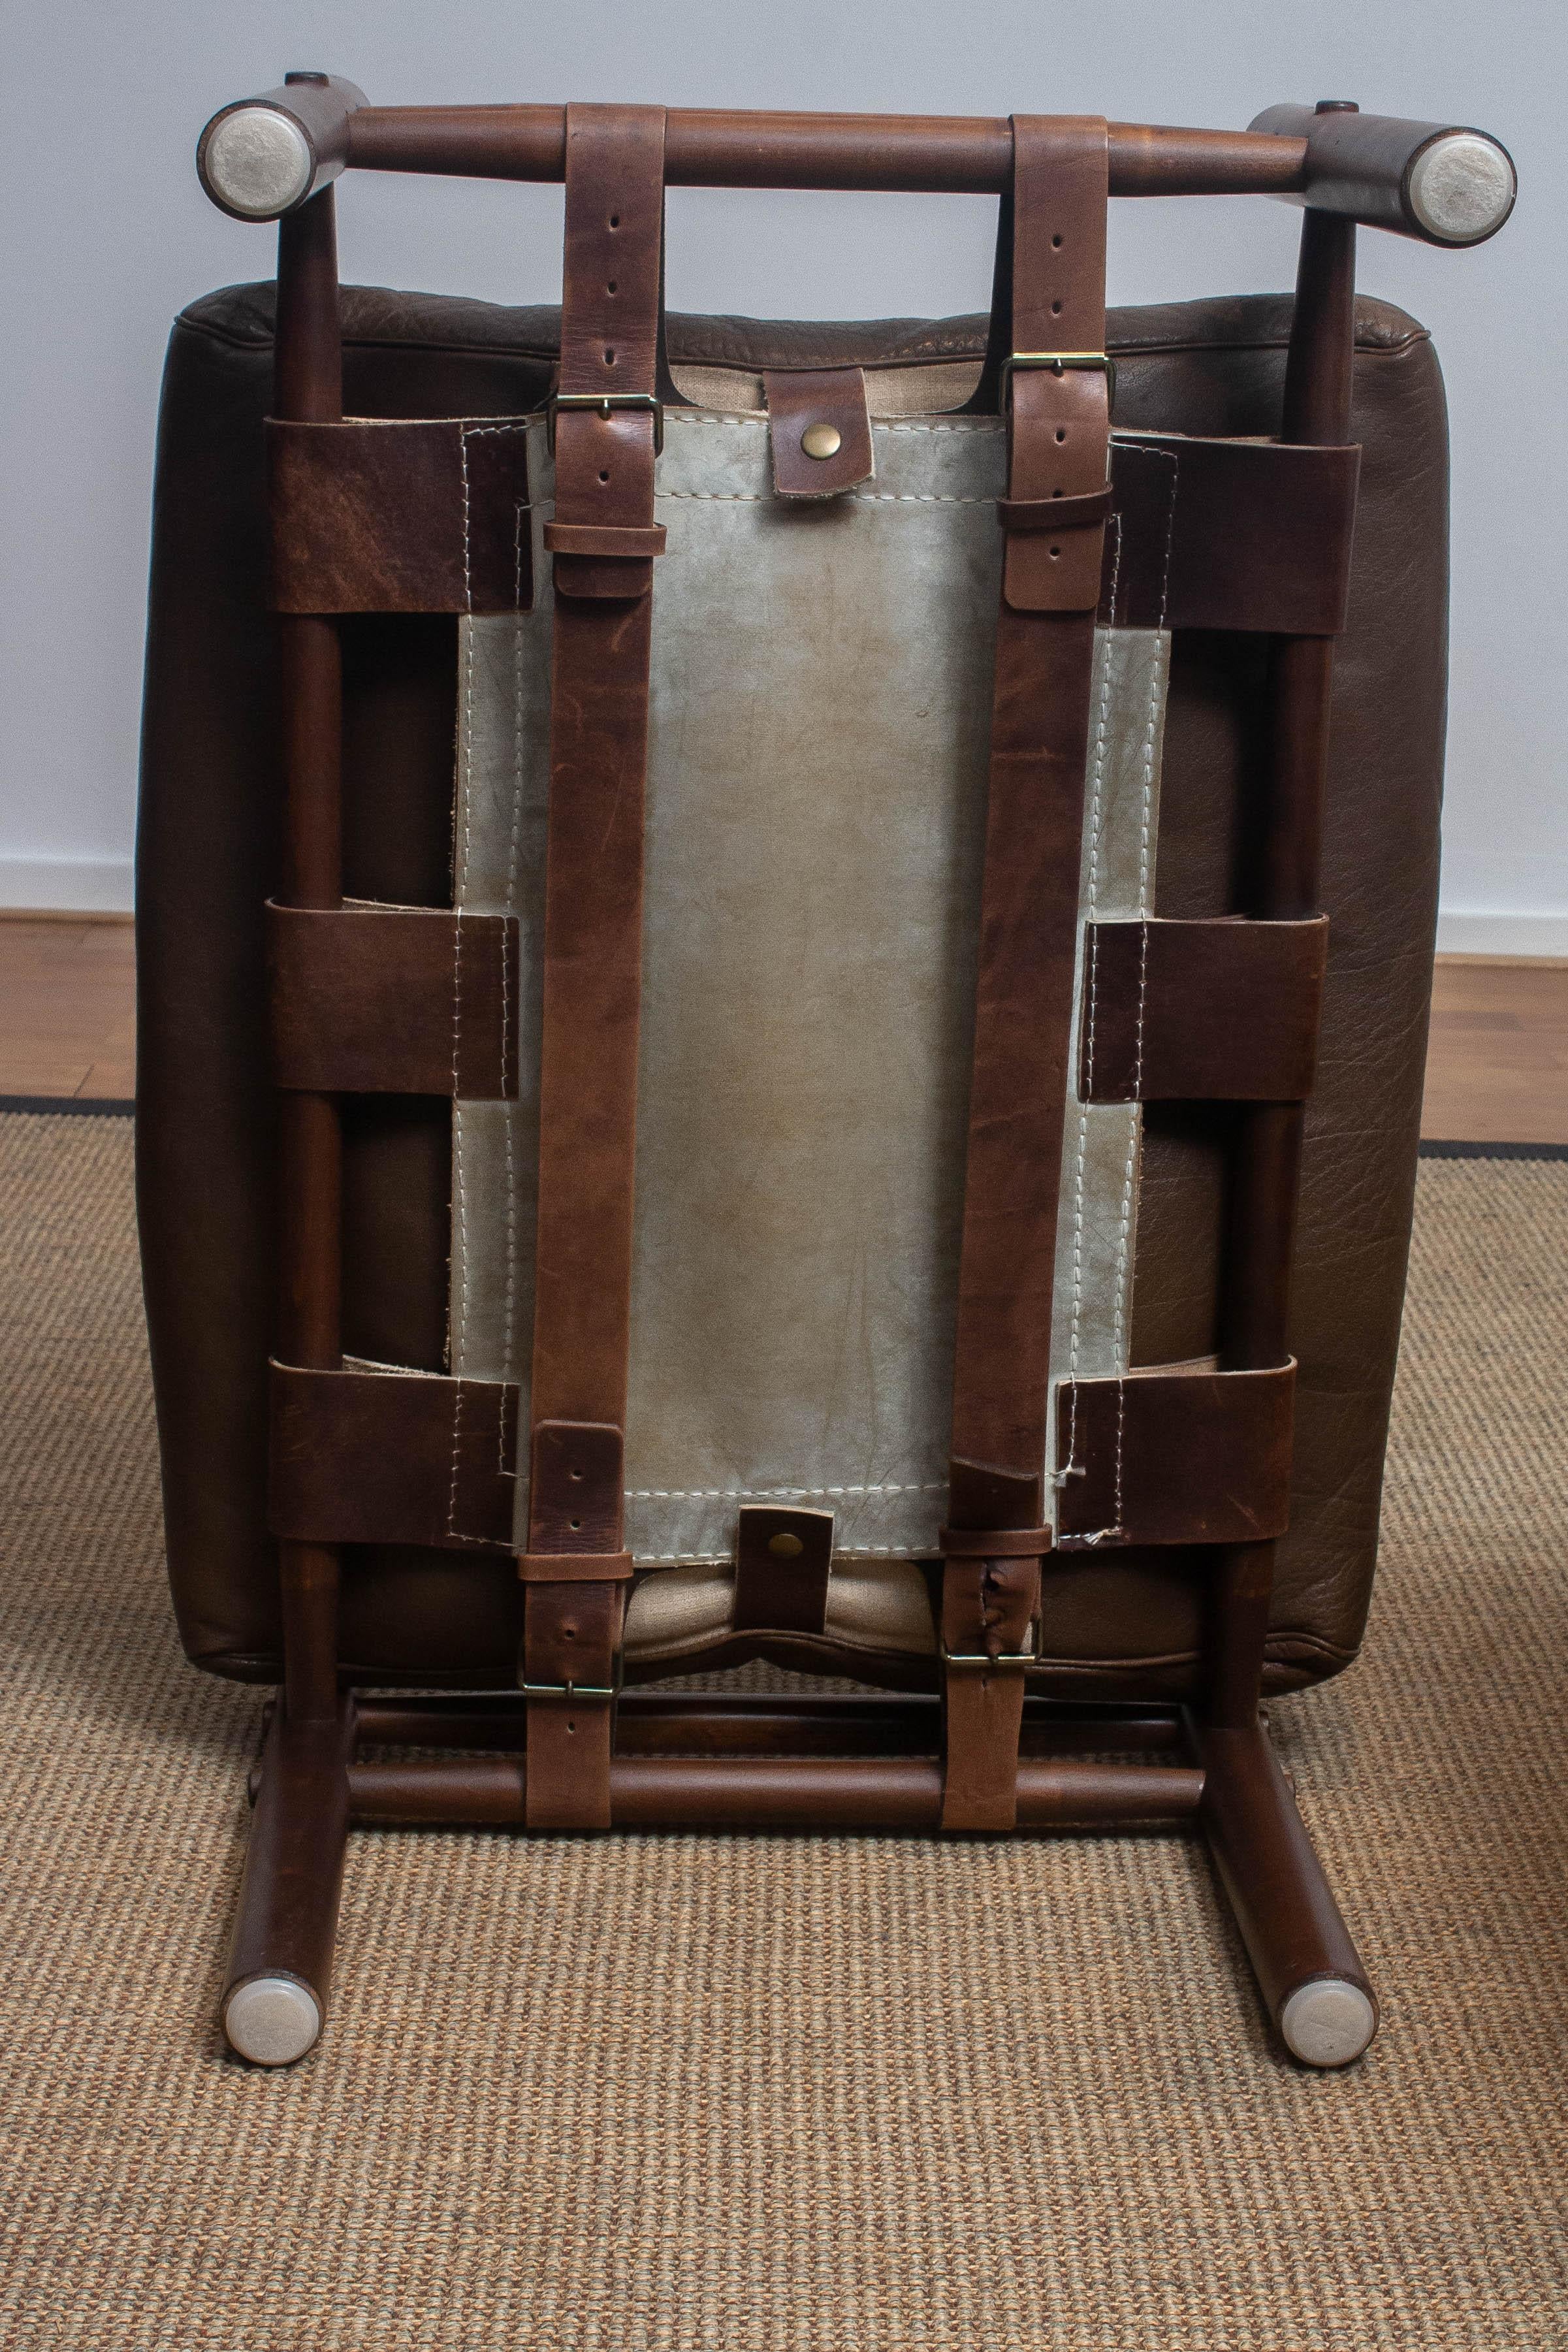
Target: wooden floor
1496	1071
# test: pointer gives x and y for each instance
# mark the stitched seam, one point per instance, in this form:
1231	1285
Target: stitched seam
856	498
509	1109
1073	1468
763	1494
1123	1278
727	1560
459	1216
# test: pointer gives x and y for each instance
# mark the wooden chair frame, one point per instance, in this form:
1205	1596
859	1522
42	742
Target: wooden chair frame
868	1761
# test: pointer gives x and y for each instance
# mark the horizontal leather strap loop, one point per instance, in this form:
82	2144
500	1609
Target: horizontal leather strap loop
391	1457
393	1000
1179	1455
574	1567
620	577
1054	514
1252	535
422	516
1201	1012
993	1543
605	539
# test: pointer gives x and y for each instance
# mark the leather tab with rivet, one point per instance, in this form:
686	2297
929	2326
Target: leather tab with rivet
783	1559
820	427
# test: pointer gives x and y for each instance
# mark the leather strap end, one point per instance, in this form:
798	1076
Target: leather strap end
995	1543
574	1567
614	539
1054	513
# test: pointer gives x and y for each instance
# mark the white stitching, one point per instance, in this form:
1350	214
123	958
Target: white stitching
459	1214
1072	1468
726	1558
1123	1291
509	1318
855	497
764	1494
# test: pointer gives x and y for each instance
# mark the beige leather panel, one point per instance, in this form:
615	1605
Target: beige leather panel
821	709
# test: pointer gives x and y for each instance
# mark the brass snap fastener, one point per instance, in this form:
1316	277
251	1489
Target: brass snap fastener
822	441
786	1546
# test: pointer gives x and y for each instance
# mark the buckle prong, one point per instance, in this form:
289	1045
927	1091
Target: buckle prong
605	404
1057	363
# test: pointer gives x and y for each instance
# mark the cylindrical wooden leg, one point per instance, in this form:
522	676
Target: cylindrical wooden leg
1309	1970
280	1966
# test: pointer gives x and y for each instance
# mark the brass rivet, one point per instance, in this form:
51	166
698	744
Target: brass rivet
822	441
787	1546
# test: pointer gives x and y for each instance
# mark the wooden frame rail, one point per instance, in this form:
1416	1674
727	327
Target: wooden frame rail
1442	182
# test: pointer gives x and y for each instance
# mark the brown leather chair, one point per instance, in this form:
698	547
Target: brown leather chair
866	1119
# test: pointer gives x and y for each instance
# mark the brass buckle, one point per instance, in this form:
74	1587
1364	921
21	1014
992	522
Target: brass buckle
1018	1658
1057	363
605	402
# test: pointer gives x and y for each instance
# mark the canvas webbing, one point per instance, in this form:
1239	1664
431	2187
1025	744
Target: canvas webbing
1056	391
603	539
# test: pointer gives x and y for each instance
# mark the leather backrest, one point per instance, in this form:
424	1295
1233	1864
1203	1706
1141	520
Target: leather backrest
207	861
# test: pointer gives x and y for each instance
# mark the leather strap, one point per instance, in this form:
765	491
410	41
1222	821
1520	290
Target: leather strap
593	953
391	1458
393	1000
1182	1455
1054	513
993	1543
1059	448
426	515
1217	1010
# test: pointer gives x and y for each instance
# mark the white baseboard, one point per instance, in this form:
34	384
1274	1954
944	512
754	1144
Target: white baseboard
75	885
1502	935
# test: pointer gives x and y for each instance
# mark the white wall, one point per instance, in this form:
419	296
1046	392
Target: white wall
108	234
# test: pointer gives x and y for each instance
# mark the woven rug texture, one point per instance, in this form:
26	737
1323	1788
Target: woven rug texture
781	2095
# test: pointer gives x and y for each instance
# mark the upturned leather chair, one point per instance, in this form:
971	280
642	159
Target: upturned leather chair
807	947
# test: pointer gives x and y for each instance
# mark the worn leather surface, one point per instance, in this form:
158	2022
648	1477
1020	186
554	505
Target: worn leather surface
1184	1455
828	399
1210	1011
394	517
783	1559
605	541
372	1454
393	1000
207	859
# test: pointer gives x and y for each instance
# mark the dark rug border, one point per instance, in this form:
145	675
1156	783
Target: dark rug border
67	1105
1433	1148
1436	1149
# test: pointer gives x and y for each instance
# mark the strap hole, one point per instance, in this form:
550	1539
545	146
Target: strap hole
614	220
577	1523
571	1724
577	1475
1061	435
604	477
609	359
609	289
1055	551
1057	239
1055	309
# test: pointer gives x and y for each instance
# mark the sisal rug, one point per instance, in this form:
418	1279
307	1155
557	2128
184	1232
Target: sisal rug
849	2094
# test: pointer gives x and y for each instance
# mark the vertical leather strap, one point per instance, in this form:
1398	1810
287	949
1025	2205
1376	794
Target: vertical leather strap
593	953
1059	448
